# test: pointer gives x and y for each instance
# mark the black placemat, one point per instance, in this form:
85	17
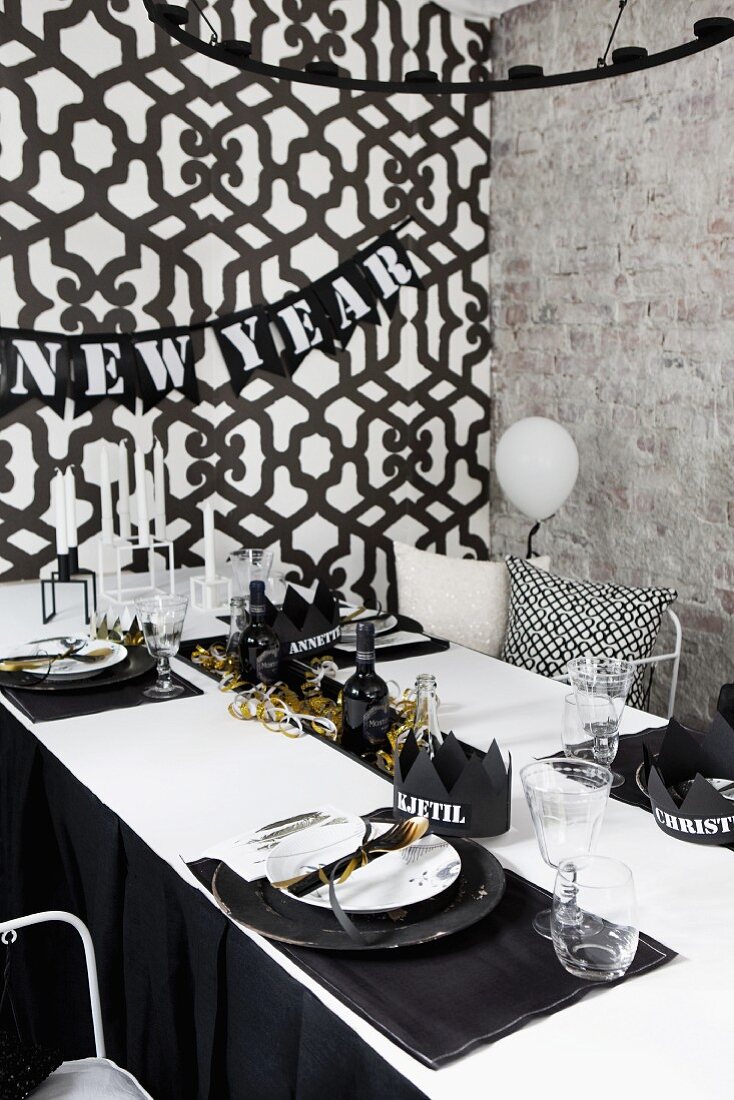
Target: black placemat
71	704
439	1001
345	658
627	761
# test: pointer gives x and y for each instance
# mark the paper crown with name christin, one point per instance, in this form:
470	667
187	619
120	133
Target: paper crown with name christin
305	626
704	816
461	794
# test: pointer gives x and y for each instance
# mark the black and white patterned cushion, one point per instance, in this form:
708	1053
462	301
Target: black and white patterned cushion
553	619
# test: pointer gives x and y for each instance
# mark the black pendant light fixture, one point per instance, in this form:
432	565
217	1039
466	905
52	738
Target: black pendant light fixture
173	19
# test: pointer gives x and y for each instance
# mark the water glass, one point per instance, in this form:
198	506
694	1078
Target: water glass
567	800
275	587
161	619
576	741
594	922
601	686
250	565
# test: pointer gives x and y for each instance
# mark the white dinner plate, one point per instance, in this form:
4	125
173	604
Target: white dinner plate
51	646
392	881
349	630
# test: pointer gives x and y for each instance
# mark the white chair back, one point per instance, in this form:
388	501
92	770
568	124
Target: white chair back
9	933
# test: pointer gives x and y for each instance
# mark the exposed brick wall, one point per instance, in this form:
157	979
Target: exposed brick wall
612	236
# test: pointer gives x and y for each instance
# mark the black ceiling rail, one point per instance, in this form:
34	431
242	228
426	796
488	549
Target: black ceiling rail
172	18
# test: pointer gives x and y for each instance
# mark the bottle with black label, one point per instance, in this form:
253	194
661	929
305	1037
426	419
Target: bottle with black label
365	700
259	645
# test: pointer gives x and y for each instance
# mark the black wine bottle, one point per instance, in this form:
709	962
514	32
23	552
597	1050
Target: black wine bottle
259	645
365	700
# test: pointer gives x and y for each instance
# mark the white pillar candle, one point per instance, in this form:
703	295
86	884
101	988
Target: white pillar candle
141	499
105	491
159	492
70	505
210	563
59	499
123	485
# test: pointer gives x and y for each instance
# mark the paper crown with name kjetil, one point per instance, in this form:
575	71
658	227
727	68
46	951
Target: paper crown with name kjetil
461	792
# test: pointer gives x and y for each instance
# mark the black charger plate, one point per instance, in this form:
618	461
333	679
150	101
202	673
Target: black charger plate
274	914
137	663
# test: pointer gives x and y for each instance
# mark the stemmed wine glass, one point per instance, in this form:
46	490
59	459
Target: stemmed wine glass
601	686
567	799
161	619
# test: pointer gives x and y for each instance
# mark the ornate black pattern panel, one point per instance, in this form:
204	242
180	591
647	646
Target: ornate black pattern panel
145	186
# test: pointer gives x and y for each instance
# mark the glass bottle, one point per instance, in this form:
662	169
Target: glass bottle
426	728
237	623
365	699
259	645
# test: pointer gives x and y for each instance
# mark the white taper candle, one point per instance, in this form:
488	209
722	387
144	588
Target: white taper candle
59	498
159	491
123	486
105	491
141	499
70	506
210	562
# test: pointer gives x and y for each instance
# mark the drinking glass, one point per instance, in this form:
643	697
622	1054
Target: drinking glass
161	619
250	565
594	922
576	741
601	686
567	799
275	587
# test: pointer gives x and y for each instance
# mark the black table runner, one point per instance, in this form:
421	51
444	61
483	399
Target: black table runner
440	1000
51	706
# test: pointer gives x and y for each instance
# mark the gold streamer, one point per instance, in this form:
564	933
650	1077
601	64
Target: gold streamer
285	711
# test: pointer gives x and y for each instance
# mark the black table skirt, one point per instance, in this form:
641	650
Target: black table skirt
190	1005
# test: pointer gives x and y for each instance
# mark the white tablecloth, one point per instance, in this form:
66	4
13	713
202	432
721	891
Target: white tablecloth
184	774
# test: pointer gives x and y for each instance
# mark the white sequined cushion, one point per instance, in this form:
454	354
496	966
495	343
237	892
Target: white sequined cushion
461	599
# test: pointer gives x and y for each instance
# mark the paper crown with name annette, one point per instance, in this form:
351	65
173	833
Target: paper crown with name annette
461	794
305	626
704	816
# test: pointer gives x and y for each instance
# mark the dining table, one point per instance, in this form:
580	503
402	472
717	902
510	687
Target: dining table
102	812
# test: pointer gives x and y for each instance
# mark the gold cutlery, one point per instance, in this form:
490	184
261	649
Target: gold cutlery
400	836
19	664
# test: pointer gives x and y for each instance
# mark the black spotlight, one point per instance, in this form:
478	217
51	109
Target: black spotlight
173	12
713	27
523	72
628	53
237	46
420	76
322	68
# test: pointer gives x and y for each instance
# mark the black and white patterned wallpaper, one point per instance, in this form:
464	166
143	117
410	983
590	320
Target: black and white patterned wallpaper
144	186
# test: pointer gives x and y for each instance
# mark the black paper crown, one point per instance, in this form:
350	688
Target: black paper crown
704	816
460	794
305	626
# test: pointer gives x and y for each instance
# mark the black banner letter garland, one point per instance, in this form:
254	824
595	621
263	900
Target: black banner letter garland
150	365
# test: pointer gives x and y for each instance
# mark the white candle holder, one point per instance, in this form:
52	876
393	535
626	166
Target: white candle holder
128	548
211	595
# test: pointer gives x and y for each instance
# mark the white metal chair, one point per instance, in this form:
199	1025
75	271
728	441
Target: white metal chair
658	658
86	1078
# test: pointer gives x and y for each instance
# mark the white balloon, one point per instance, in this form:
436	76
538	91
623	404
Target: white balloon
537	464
